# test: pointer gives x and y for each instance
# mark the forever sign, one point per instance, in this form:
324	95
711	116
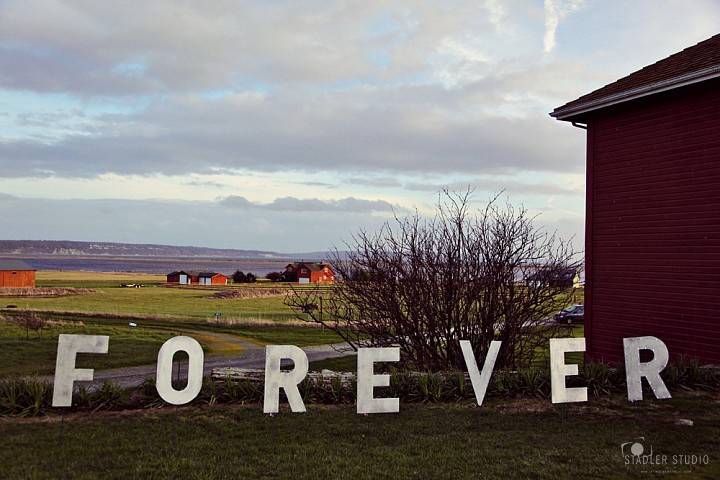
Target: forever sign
275	378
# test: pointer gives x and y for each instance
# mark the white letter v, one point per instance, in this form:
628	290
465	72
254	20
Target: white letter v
480	381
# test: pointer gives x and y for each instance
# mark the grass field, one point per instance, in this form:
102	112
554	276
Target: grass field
79	278
503	439
36	355
178	304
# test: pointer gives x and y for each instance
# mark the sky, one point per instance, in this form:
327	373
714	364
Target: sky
288	126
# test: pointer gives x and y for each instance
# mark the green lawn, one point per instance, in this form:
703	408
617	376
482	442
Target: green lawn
298	336
155	301
512	439
128	346
134	346
348	363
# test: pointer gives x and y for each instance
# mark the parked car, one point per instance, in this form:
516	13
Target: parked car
570	315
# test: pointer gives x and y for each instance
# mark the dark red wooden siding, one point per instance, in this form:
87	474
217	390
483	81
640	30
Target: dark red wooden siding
653	224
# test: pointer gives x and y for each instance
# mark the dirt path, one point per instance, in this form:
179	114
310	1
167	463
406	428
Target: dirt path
252	355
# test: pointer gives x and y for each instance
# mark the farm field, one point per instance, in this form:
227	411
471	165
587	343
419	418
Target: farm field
177	304
87	279
503	439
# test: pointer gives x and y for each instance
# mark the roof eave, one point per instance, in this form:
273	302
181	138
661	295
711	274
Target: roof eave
568	114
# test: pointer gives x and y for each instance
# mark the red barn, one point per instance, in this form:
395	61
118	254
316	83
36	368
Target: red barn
307	272
16	274
652	238
193	277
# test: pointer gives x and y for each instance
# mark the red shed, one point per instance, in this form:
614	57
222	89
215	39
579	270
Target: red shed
192	277
652	231
16	274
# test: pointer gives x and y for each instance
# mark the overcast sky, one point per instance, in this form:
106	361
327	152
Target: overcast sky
289	125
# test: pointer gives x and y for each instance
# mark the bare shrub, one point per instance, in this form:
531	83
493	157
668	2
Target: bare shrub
30	321
424	284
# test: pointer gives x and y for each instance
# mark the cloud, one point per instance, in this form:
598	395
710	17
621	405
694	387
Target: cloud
234	222
375	181
230	223
556	10
497	185
292	204
381	130
462	87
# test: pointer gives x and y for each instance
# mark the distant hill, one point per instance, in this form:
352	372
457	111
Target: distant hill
73	248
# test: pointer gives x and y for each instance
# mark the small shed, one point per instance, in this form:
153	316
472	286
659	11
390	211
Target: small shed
194	277
16	274
652	224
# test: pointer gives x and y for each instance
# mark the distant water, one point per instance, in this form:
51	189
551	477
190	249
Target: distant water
259	266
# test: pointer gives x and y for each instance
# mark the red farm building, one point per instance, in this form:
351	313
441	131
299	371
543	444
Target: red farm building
652	238
309	272
192	277
16	274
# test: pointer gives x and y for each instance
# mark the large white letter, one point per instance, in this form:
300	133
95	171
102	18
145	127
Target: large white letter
634	370
288	381
367	380
480	380
559	370
65	372
196	359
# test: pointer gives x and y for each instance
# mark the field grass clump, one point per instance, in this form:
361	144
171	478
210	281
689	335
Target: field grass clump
249	292
24	397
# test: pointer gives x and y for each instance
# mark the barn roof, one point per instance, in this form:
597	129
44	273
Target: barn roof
201	273
195	273
312	266
694	64
12	264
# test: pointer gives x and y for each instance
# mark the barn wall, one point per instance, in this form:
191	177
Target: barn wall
653	224
17	278
317	277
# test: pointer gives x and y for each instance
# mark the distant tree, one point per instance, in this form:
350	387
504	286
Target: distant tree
290	277
239	277
274	276
250	278
31	321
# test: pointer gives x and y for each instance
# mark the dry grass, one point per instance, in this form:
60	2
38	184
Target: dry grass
248	292
43	292
260	322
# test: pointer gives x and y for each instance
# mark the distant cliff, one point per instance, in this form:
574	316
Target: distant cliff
72	248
